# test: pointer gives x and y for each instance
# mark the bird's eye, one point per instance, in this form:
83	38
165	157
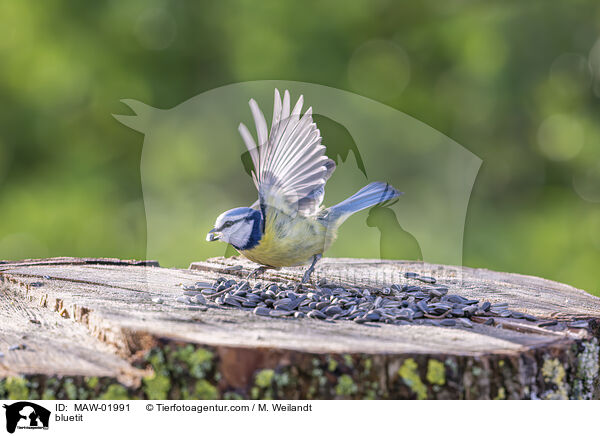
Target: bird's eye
227	224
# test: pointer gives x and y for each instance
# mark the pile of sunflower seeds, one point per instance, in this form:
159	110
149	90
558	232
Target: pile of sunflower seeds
422	303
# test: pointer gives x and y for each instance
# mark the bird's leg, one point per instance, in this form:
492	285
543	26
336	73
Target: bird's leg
257	271
311	268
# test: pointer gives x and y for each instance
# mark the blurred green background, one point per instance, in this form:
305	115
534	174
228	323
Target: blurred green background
518	84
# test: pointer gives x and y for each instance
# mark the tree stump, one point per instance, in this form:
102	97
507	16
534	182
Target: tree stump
92	329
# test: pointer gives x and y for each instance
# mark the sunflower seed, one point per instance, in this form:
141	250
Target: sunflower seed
190	288
412	289
322	305
183	299
405	314
373	316
282	301
437	292
411	275
470	310
453	298
441	307
17	347
485	306
198	299
278	313
355	315
317	314
447	322
547	323
262	311
465	322
579	324
426	279
333	310
423	307
457	312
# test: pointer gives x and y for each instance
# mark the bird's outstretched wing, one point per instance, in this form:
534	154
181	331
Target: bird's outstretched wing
290	166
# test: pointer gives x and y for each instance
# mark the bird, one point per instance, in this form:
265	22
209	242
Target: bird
287	225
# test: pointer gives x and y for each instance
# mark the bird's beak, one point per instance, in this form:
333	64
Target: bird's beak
213	235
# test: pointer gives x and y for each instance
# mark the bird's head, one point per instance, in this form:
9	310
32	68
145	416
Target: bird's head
239	227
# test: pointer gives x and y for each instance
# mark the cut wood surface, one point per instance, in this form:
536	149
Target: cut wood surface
84	320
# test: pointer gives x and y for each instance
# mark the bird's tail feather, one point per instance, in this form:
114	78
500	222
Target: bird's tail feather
372	194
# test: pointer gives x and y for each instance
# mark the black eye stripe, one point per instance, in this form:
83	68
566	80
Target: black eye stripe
228	224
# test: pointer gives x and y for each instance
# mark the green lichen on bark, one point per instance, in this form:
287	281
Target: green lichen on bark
181	371
115	392
587	375
345	386
436	372
410	376
16	388
554	375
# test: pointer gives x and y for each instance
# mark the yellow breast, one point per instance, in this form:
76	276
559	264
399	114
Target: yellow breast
289	241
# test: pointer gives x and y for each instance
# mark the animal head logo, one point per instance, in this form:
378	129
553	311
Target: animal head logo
193	163
26	415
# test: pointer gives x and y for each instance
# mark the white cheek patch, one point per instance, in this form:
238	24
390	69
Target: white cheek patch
239	233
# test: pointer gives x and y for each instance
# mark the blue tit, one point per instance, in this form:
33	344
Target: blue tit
287	226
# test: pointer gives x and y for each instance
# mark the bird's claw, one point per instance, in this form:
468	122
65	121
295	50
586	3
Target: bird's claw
309	271
256	272
306	277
